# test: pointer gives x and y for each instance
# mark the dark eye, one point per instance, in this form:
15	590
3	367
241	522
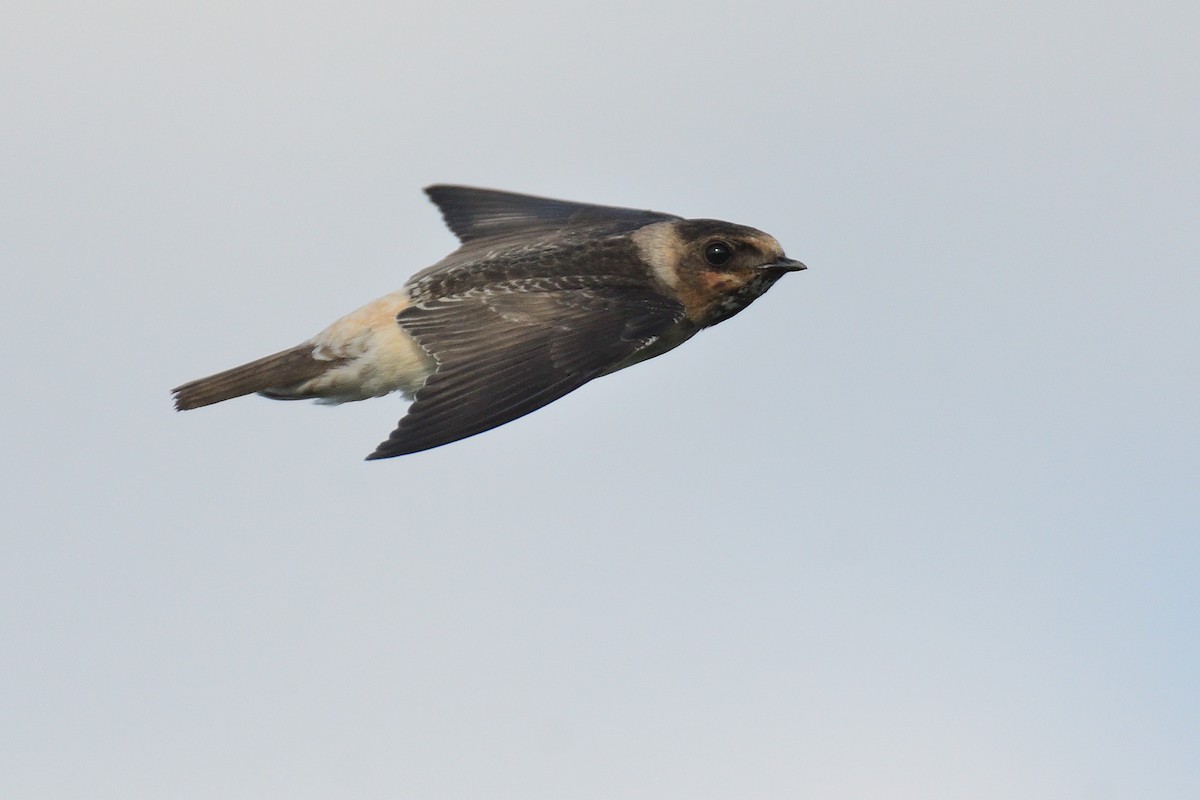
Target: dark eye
717	253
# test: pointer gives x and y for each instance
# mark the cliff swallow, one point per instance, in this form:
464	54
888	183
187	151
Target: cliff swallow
542	297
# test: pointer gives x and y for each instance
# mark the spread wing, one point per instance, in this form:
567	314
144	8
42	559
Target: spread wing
503	353
478	213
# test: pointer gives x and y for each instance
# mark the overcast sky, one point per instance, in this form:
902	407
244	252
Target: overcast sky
922	523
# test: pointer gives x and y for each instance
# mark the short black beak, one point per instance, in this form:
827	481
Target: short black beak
786	265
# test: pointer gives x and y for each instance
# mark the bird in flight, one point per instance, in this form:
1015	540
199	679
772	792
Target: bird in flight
541	297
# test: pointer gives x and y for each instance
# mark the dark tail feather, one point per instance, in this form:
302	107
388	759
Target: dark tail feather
277	371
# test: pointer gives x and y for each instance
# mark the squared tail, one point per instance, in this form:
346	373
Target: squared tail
279	371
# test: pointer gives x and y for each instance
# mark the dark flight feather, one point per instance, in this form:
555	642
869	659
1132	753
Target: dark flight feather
502	355
472	213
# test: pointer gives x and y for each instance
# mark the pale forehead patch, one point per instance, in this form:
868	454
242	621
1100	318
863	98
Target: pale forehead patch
660	246
767	243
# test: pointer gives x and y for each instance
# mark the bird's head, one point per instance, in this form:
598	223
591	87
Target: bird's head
714	268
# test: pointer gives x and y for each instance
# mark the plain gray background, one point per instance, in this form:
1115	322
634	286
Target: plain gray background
921	523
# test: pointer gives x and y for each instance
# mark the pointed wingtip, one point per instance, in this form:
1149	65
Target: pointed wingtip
388	448
435	190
